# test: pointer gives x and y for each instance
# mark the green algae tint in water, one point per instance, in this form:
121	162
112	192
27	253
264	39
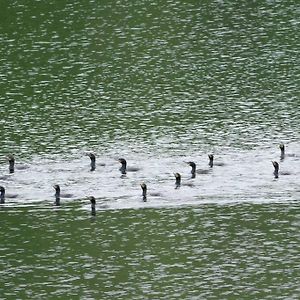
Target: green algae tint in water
160	83
213	252
107	75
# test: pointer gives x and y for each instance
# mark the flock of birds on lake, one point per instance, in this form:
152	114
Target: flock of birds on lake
124	169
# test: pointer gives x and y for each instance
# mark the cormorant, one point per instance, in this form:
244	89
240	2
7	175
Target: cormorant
58	195
124	168
194	171
282	151
93	160
177	180
211	161
276	168
3	195
144	189
11	161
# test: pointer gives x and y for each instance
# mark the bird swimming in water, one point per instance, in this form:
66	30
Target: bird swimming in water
212	163
11	161
58	195
93	160
123	163
93	205
3	195
276	168
145	193
198	171
144	189
177	180
124	168
282	151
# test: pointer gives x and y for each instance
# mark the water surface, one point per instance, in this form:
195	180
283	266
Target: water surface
159	84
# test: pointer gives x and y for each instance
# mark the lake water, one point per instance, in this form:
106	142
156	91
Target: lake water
159	84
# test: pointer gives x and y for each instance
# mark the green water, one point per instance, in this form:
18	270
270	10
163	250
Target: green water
213	252
159	83
89	74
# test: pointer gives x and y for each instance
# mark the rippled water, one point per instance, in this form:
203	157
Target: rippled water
241	251
159	84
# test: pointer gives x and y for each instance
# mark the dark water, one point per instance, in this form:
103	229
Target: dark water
159	84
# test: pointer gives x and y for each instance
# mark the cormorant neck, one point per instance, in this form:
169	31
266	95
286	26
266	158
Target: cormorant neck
282	154
276	170
211	160
11	166
144	192
2	196
57	193
193	168
57	201
93	163
93	208
123	168
178	181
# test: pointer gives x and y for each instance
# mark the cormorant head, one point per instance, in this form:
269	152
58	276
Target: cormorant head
92	156
92	200
144	186
177	178
191	164
122	161
11	158
56	187
281	146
